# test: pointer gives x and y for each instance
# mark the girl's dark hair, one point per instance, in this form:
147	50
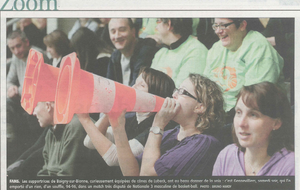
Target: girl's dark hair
87	46
159	83
59	40
270	101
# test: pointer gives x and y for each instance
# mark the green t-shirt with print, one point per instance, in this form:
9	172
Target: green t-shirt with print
178	63
255	61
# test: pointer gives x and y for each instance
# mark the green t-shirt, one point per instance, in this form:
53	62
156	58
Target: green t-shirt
148	27
255	61
178	63
195	25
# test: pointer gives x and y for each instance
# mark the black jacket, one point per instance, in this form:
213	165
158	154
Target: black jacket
144	52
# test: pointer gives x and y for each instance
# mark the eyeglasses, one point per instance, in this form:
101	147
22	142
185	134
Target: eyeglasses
182	91
221	26
158	21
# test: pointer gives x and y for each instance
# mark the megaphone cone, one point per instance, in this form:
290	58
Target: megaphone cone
39	82
79	91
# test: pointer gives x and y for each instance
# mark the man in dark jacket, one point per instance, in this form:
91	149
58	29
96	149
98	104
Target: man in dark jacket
130	54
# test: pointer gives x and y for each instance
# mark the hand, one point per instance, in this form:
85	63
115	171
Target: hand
83	117
272	40
117	119
12	91
169	109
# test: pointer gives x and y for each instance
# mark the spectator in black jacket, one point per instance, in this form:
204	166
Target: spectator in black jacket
130	54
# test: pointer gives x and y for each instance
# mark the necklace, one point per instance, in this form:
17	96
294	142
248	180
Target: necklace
259	163
253	170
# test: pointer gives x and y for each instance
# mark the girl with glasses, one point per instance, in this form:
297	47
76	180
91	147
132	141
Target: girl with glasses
187	150
101	136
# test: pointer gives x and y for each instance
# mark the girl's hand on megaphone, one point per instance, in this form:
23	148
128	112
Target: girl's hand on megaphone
117	119
83	117
169	109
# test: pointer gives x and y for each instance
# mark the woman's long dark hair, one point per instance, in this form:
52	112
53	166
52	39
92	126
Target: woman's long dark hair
59	40
87	46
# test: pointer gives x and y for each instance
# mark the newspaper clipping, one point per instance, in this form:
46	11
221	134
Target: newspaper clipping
149	94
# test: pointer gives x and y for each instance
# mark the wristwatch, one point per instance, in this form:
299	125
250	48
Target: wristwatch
156	130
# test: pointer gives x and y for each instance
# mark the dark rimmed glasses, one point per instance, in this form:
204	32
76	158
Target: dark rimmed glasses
182	91
221	26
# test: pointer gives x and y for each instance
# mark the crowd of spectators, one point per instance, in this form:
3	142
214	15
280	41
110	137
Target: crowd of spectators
217	75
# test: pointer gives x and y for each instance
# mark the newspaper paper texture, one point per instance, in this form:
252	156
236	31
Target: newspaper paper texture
63	14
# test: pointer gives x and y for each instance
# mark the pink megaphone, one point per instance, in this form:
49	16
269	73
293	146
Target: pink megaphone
39	83
79	91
